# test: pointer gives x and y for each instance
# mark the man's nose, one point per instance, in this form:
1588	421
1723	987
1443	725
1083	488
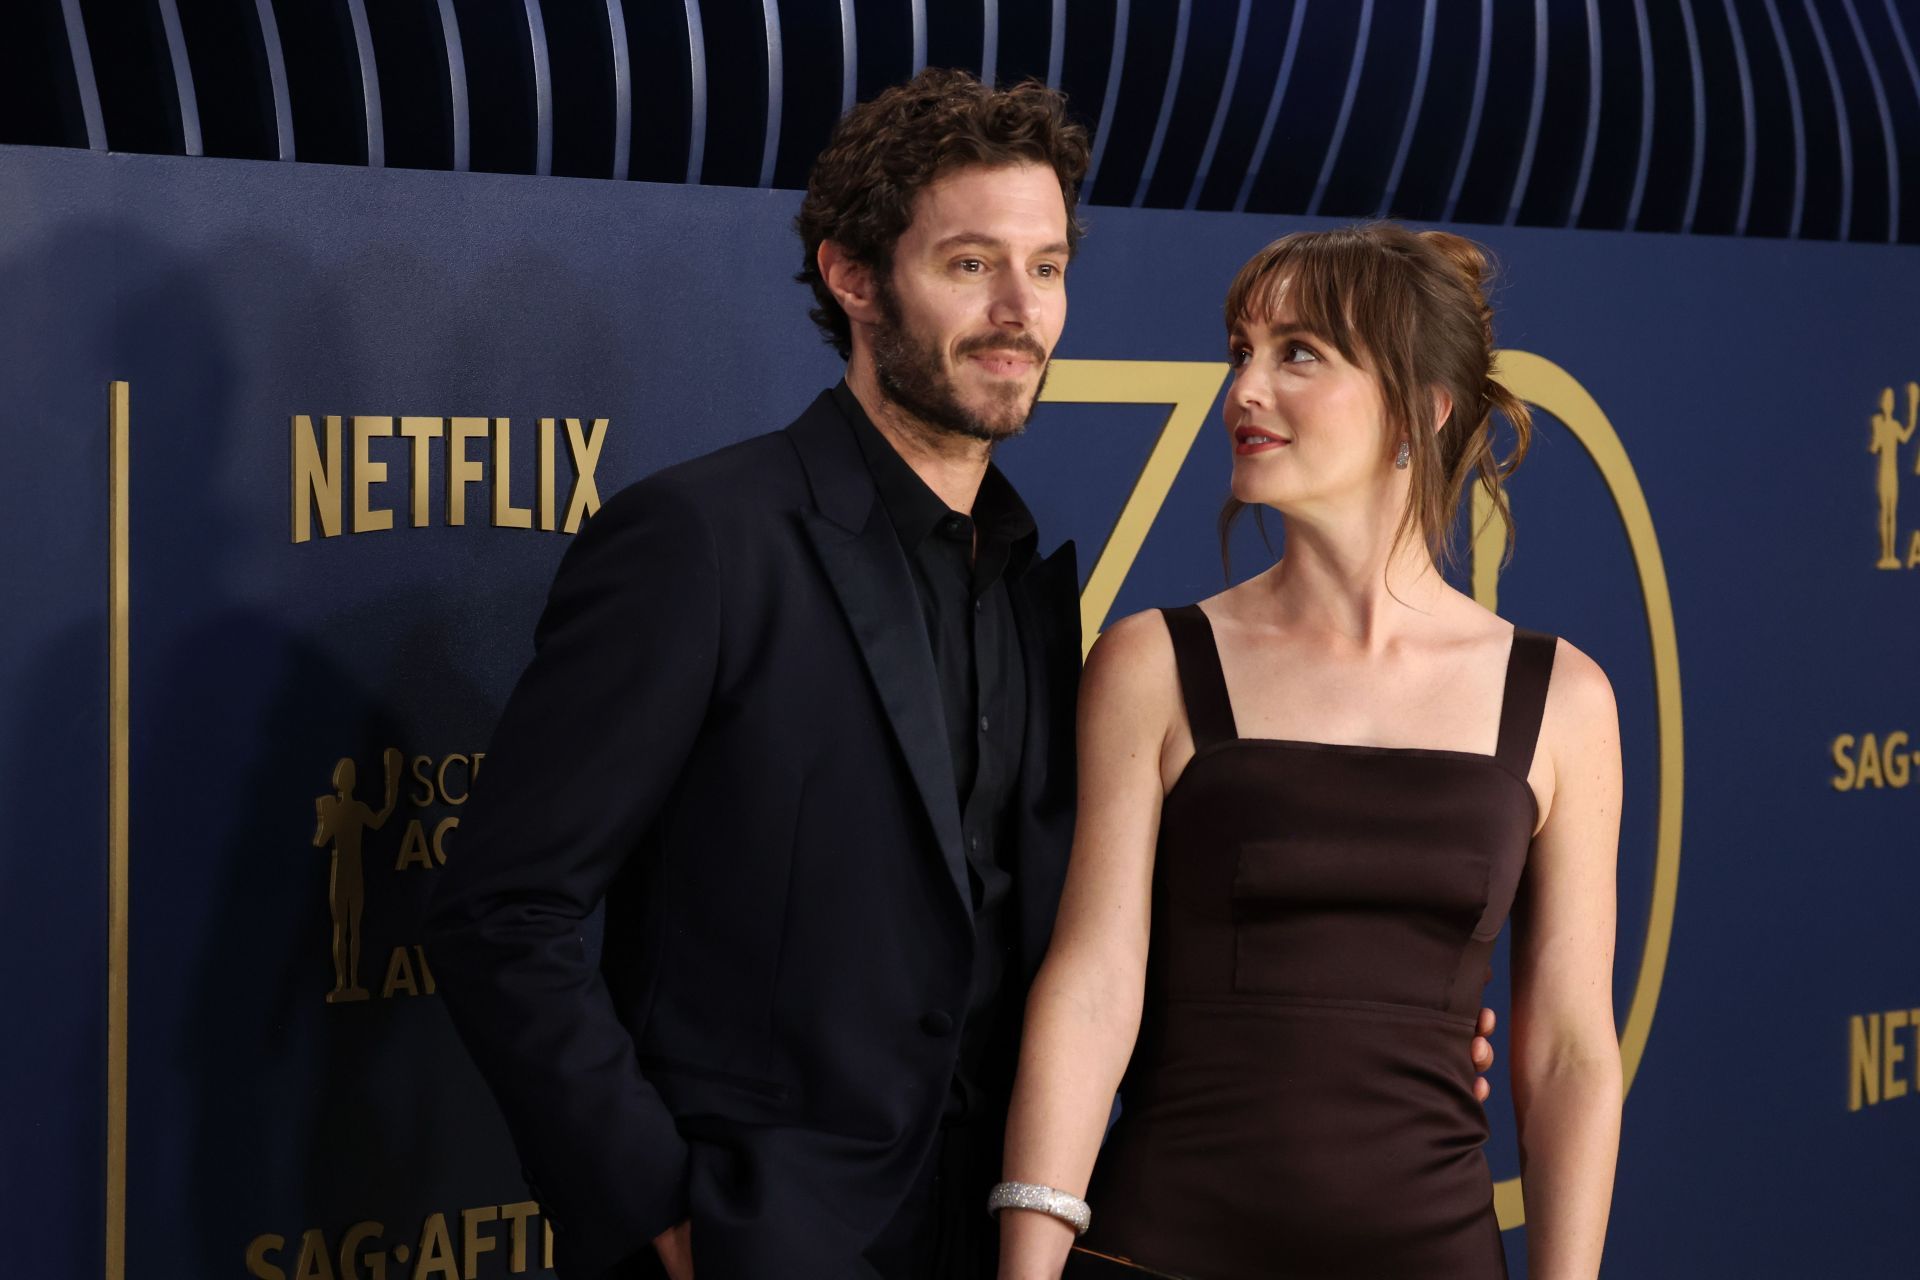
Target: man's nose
1016	301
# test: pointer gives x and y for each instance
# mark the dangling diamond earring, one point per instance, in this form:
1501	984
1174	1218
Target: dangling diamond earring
1402	458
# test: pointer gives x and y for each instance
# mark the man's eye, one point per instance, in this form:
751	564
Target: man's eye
1048	270
972	266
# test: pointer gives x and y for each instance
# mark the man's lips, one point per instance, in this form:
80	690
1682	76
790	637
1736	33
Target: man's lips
1248	440
1005	364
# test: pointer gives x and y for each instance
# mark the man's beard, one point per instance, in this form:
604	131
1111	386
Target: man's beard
910	374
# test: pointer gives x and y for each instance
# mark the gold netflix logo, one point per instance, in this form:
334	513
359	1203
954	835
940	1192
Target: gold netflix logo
464	451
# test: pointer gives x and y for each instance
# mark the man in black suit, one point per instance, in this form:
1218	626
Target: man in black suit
801	718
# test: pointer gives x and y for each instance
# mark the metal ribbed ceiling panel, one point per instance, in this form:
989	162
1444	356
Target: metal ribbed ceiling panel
1796	118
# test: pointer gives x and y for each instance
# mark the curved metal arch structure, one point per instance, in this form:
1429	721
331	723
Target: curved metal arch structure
1590	144
1220	120
1843	133
1482	67
1116	69
1355	65
697	82
1649	105
1166	104
1749	128
1234	57
1885	114
1416	99
1280	83
369	84
1536	109
276	65
542	89
1696	64
182	77
80	58
1785	48
622	90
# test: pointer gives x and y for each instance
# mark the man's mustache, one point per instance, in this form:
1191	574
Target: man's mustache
1012	346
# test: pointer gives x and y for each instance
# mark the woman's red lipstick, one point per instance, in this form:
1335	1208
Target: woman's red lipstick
1248	440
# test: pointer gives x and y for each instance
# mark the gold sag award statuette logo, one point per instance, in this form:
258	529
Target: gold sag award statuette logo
343	821
1883	758
444	1246
1189	389
1887	435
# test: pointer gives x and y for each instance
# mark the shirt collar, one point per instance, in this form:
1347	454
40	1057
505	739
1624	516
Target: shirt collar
916	510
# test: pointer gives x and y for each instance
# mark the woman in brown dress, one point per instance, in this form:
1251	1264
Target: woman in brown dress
1324	789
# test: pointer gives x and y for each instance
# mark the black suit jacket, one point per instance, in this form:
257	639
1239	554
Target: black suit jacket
731	733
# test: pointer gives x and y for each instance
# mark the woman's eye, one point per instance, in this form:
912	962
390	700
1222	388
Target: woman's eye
1238	356
1299	354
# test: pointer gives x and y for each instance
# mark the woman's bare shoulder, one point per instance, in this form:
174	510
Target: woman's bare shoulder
1580	711
1133	651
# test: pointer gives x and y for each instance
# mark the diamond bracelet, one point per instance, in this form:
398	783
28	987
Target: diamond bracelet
1071	1210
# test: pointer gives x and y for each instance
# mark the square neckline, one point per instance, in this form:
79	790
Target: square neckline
1506	674
1215	742
1223	746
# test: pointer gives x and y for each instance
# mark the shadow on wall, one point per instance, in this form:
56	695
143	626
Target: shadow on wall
255	1107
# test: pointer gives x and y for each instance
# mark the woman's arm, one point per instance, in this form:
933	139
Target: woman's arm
1566	1059
1084	1008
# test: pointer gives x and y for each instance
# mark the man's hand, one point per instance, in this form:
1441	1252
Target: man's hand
675	1247
1482	1056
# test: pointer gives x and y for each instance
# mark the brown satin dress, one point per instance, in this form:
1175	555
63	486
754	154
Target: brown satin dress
1299	1103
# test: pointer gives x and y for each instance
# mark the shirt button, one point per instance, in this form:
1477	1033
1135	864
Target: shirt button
984	722
937	1023
973	843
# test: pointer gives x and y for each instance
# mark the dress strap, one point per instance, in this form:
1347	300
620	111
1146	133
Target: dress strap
1202	685
1529	669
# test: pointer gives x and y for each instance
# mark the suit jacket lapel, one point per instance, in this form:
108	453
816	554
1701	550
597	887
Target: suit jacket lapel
861	555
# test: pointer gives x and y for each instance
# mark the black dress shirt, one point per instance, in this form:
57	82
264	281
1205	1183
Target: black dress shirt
961	566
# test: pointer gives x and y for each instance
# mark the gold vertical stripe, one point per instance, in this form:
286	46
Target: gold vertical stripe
119	596
1188	387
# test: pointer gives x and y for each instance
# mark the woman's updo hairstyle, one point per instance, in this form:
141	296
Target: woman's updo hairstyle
1411	308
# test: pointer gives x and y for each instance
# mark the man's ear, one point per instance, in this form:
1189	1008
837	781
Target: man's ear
851	282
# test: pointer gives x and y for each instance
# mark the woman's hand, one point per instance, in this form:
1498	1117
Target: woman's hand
675	1247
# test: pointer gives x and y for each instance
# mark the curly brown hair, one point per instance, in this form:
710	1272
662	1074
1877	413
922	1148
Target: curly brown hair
882	153
1410	307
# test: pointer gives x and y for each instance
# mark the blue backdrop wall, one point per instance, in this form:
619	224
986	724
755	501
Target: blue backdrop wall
350	394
